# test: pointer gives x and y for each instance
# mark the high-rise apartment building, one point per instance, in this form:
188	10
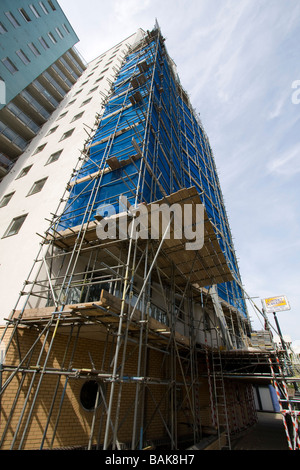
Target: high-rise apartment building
31	191
38	67
131	315
130	324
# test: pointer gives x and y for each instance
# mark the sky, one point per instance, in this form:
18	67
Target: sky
239	63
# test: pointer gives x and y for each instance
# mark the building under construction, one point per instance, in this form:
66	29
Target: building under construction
129	340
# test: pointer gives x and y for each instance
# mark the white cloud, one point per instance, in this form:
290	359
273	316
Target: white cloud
278	106
287	164
126	11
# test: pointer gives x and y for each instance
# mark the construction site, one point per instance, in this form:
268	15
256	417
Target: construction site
129	341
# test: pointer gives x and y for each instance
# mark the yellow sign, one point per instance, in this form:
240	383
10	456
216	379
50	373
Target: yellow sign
276	304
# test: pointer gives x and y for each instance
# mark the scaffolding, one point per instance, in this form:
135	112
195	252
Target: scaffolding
141	298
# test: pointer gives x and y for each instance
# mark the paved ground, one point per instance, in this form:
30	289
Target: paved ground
267	434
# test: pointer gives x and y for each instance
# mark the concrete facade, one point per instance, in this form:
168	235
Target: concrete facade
18	252
25	23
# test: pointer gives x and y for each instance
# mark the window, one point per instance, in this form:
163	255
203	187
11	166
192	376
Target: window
66	28
25	15
35	104
34	11
54	83
77	92
2	29
61	75
24	172
34	49
59	33
51	5
39	149
43	42
78	116
98	79
37	186
54	157
52	38
14	109
71	102
5	200
14	226
45	93
9	65
93	89
62	115
22	56
12	19
85	102
43	8
52	130
67	134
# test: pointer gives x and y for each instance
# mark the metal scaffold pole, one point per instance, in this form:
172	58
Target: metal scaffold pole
144	306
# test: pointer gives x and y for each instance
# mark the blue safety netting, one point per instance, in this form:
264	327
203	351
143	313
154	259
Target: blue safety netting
149	109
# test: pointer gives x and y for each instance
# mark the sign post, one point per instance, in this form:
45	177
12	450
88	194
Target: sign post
278	304
273	305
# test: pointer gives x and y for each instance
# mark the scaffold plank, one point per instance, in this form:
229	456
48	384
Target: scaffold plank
205	266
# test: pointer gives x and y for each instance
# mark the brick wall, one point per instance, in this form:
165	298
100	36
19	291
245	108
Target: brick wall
70	424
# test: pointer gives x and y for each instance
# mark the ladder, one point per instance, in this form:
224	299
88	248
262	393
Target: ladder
287	407
221	413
